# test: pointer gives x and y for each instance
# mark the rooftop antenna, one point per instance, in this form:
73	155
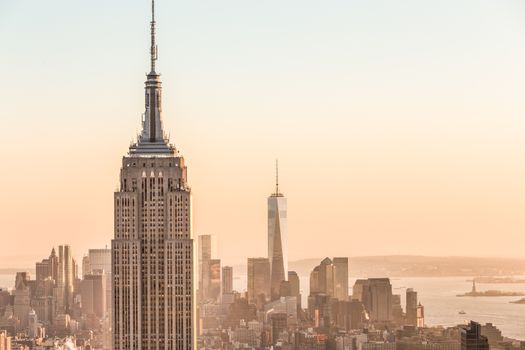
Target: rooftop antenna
153	49
277	176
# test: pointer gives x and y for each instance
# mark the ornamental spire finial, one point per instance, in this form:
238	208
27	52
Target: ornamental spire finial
153	49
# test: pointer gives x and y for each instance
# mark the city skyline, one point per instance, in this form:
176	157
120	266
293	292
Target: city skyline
434	159
399	133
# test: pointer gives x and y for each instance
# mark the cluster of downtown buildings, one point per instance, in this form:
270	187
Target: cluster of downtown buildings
61	305
152	291
269	313
64	307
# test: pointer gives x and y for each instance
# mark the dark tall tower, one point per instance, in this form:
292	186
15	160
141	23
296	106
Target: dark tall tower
152	250
471	338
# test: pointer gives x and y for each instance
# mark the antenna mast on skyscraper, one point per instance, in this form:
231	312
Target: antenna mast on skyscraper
277	176
153	49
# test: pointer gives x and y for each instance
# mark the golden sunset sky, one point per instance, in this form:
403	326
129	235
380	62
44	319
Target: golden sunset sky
399	125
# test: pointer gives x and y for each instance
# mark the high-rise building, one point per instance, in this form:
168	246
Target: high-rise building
152	250
32	324
100	259
471	338
258	280
93	294
46	274
295	287
206	250
322	278
493	334
227	279
376	296
279	324
74	265
361	292
397	309
349	314
22	298
43	271
205	247
86	266
330	278
381	299
44	307
277	238
214	290
285	290
411	307
420	316
341	278
99	262
66	278
53	261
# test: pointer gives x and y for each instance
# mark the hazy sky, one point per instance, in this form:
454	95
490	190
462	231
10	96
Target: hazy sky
399	125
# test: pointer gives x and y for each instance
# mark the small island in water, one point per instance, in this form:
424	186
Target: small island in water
521	301
491	293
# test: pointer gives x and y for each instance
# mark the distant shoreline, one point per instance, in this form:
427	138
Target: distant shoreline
403	266
11	270
499	280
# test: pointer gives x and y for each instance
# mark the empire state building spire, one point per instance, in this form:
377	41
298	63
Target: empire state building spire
152	141
153	49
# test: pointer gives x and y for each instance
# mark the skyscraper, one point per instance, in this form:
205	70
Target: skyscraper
227	279
295	289
361	292
97	262
330	278
471	338
86	266
376	296
100	259
206	250
66	277
22	298
341	278
295	286
214	290
93	294
381	299
258	280
277	238
152	249
46	273
420	316
411	307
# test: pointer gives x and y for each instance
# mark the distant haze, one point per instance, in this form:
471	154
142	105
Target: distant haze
399	126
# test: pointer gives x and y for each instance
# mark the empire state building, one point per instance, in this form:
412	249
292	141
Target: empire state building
152	249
